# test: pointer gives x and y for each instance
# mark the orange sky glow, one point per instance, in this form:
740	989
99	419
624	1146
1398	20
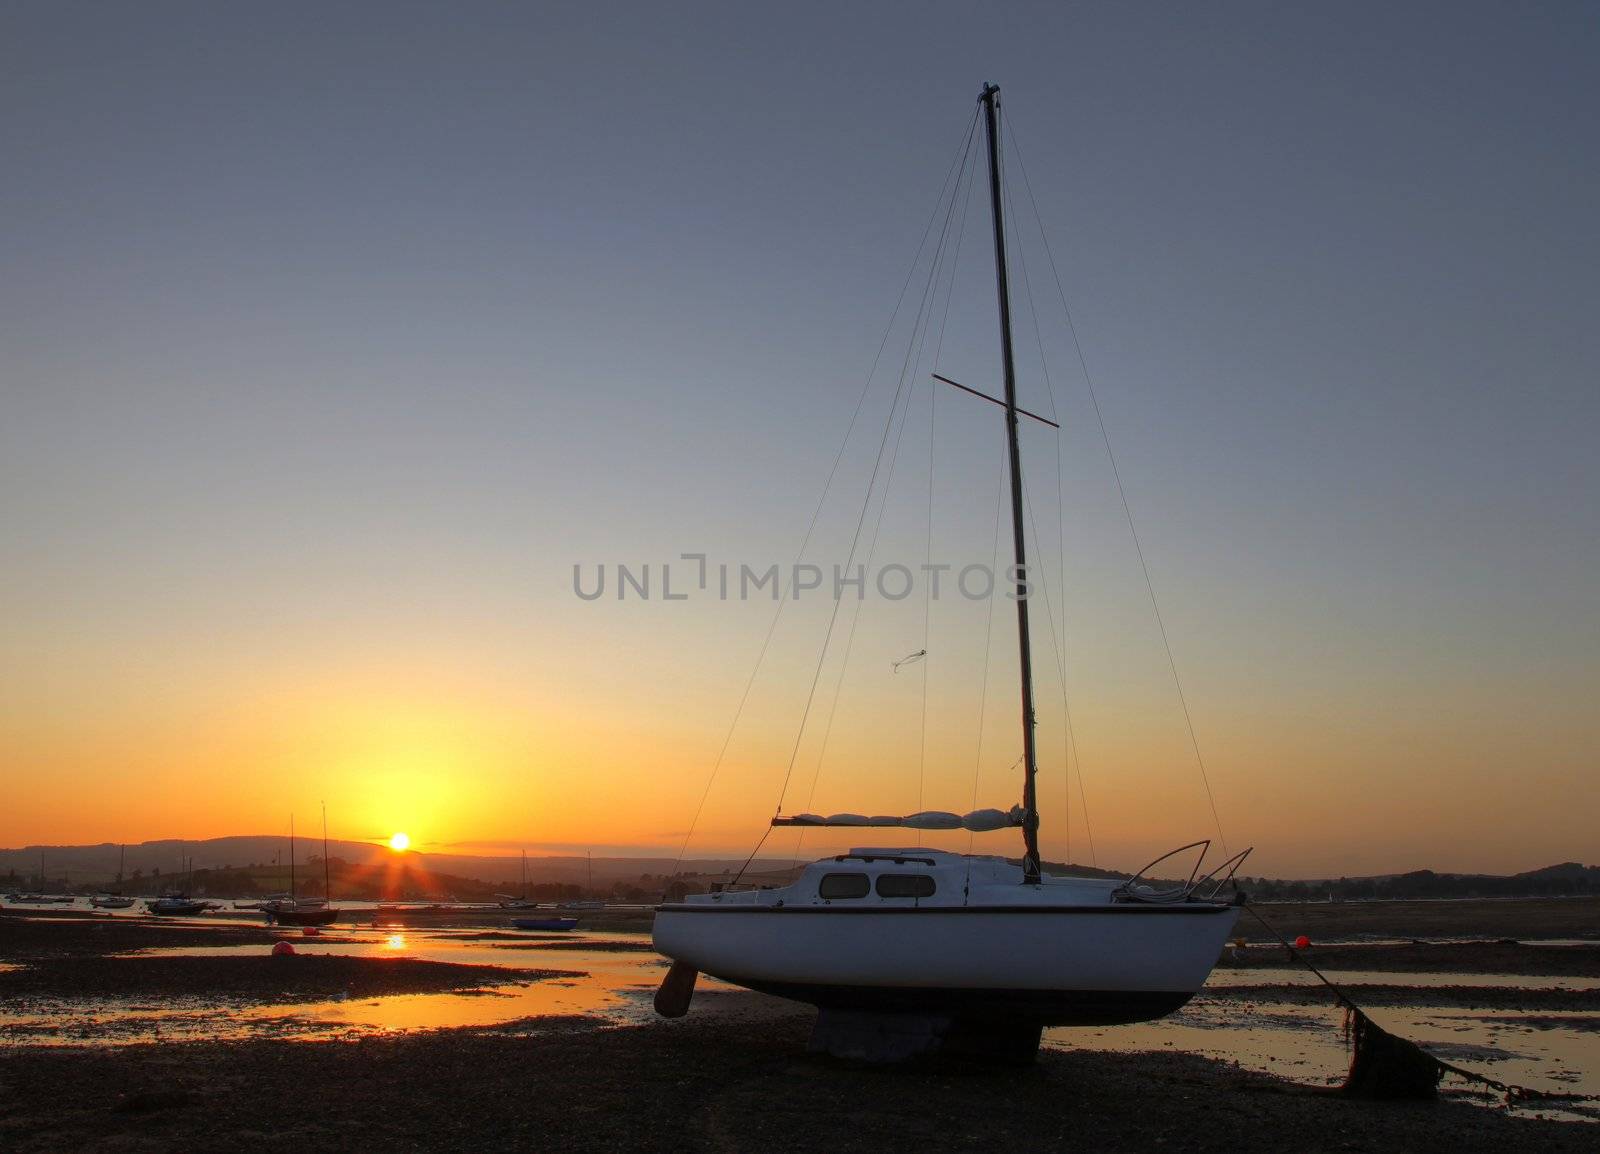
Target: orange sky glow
327	353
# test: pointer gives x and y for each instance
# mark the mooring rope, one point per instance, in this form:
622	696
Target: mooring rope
1386	1065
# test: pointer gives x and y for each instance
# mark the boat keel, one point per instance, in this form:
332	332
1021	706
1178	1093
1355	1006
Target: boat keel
1034	1008
677	988
887	1039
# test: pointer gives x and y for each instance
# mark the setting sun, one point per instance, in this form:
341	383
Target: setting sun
399	842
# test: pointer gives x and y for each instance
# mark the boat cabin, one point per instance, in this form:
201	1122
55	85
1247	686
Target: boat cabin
878	878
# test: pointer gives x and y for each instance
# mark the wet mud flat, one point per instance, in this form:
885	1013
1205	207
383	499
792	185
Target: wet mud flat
244	980
1372	994
728	1081
1575	968
54	962
1526	959
644	946
632	919
1483	918
76	935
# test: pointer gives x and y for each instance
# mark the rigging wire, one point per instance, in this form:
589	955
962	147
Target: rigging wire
933	409
1127	510
923	311
915	365
969	172
955	264
927	596
850	635
1070	751
1061	672
833	615
988	643
855	618
744	697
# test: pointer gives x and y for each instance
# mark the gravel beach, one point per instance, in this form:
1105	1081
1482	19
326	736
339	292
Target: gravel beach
729	1082
734	1075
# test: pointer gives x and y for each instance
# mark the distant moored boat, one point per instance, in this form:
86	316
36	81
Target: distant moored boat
292	911
176	905
549	925
299	914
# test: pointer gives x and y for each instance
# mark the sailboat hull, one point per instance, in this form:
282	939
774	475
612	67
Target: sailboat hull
550	925
176	908
302	917
1053	966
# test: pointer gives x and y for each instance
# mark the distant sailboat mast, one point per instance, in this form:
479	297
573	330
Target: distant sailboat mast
327	886
291	857
1030	763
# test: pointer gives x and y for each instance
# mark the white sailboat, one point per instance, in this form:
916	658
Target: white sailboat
907	950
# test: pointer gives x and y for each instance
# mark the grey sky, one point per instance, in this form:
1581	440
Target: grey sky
322	313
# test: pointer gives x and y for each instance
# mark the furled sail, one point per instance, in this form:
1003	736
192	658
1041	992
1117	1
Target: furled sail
978	821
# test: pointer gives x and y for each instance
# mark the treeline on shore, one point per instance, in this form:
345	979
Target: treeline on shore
397	881
1567	880
407	879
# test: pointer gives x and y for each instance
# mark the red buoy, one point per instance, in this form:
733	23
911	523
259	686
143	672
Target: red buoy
1302	943
282	950
311	932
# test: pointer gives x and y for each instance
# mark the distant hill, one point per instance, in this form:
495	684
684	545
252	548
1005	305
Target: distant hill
84	867
1567	870
250	864
1566	879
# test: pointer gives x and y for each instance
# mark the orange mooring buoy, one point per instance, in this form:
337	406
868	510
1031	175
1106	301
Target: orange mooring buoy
1302	943
282	950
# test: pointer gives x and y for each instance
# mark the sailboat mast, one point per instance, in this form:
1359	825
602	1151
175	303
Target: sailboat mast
291	857
327	886
1030	764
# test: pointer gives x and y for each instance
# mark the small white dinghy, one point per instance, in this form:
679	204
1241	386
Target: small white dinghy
908	951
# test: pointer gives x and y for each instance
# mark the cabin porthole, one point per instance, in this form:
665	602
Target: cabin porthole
906	885
843	885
